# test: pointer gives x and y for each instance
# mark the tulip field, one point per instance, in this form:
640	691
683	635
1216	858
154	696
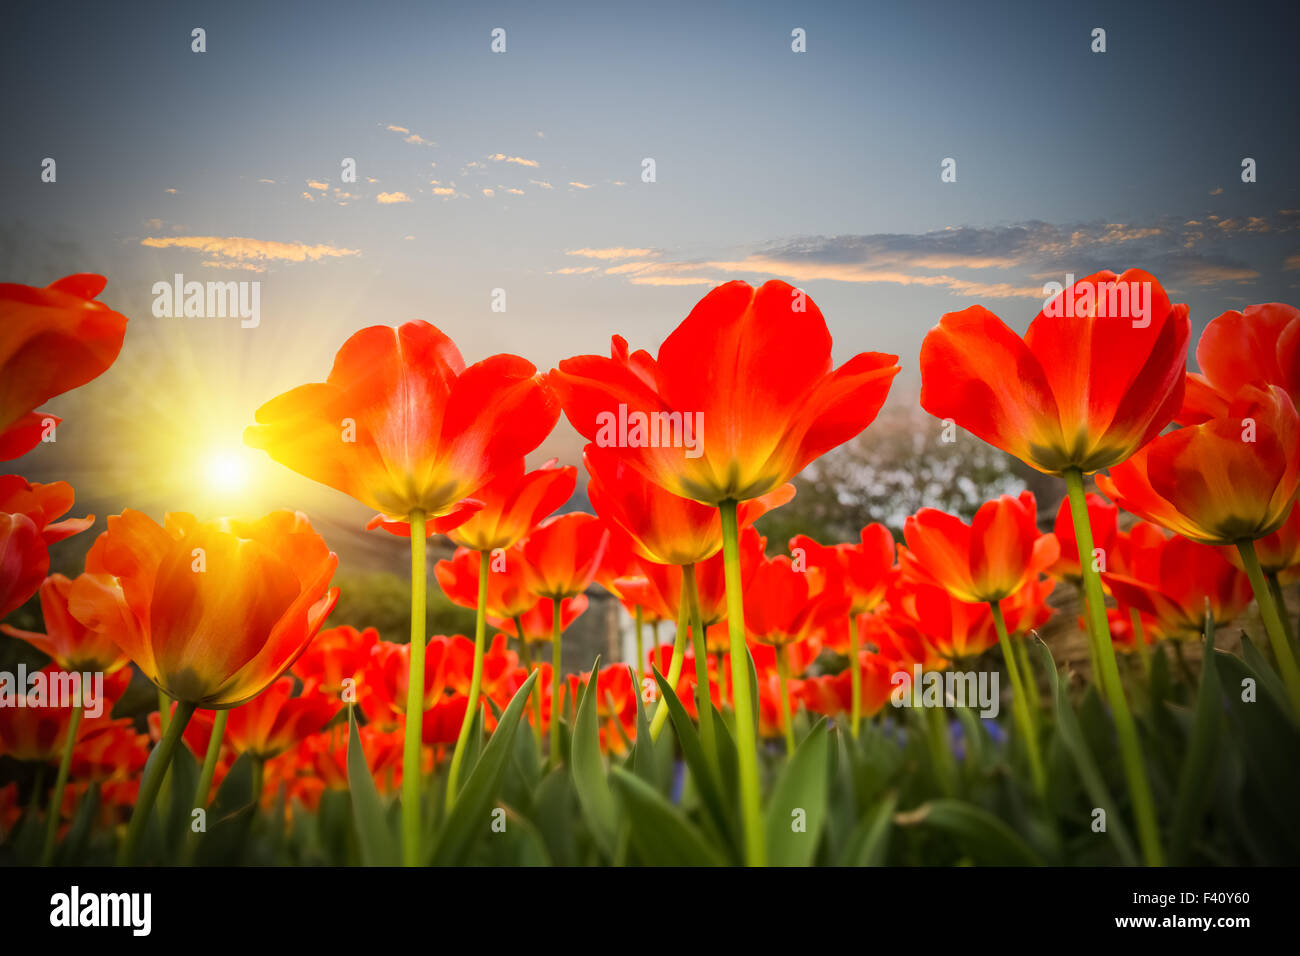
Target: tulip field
886	700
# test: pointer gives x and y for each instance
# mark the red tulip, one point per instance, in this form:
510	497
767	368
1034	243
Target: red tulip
831	694
741	397
28	526
51	340
336	655
987	560
537	620
403	426
562	554
513	502
1170	589
663	527
863	571
509	589
1103	518
1260	347
1097	376
267	725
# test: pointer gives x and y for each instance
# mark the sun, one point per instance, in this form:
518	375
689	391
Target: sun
225	470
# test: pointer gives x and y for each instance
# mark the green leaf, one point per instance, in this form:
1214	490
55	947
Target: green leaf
379	845
984	836
1071	735
800	797
660	833
1264	672
470	817
1193	794
869	844
644	762
702	775
588	765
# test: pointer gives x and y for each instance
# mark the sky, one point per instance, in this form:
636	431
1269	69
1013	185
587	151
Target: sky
522	171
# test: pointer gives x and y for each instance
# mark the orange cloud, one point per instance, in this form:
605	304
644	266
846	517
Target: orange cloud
240	249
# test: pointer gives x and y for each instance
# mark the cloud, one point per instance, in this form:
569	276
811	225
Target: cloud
580	185
517	160
243	252
1216	191
271	181
443	191
618	252
541	182
989	262
414	139
515	192
489	193
388	199
171	190
317	184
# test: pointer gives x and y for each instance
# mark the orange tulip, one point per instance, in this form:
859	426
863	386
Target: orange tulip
51	340
741	397
1227	480
72	645
403	426
984	561
269	724
1097	376
211	612
513	503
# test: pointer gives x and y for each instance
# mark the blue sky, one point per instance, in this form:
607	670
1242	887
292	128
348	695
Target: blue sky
522	171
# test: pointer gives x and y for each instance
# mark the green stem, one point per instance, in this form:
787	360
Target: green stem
1019	705
1031	682
60	782
1272	623
742	693
556	637
783	677
1275	589
412	742
640	650
210	758
945	762
674	664
155	770
1130	748
855	678
259	776
537	695
1094	641
703	699
475	681
1140	640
